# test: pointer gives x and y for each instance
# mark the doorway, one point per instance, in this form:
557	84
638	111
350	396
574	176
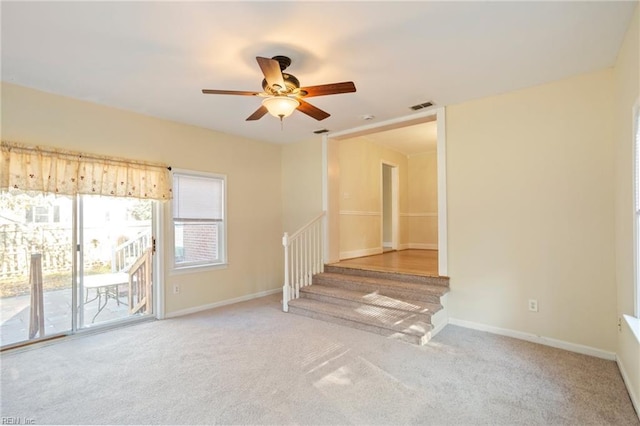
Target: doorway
333	191
390	207
115	260
69	264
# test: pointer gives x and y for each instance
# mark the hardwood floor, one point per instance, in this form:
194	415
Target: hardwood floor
420	262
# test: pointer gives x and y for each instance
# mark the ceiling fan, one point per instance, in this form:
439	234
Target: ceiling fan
282	92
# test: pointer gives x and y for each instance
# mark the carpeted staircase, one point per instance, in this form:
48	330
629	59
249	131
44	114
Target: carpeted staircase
404	306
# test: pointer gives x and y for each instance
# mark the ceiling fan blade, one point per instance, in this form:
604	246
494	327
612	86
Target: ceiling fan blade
257	114
312	111
229	92
328	89
272	73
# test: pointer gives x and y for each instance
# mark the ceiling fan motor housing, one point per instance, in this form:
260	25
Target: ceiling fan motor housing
284	61
290	81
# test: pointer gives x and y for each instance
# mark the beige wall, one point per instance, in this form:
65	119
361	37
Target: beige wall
530	208
301	183
627	92
333	200
361	195
253	171
423	200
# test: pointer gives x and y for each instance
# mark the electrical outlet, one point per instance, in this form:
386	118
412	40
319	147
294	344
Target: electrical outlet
176	288
533	305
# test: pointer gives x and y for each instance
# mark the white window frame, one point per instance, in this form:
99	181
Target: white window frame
222	228
36	212
636	205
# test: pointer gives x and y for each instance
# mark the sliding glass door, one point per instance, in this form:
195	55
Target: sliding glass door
115	236
71	263
36	266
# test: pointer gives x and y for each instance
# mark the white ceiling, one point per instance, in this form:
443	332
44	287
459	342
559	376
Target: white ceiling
155	57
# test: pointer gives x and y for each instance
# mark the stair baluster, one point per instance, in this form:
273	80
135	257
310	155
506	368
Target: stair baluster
303	257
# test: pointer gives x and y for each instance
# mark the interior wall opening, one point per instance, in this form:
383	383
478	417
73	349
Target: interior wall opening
359	169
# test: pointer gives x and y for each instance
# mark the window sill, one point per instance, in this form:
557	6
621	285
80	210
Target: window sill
634	325
199	268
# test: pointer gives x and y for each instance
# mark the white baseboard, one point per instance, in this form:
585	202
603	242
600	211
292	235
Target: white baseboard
438	328
423	246
547	341
418	246
634	398
360	253
441	318
201	308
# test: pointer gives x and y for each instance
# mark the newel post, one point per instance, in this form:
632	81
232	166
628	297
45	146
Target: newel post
286	289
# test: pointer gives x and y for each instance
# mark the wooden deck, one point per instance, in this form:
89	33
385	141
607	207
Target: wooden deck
420	262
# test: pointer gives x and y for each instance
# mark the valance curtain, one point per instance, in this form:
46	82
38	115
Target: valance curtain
54	171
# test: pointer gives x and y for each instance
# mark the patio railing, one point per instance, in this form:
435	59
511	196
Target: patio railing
140	294
125	254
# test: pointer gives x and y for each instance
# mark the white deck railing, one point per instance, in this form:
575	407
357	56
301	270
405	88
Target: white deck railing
140	284
303	257
126	254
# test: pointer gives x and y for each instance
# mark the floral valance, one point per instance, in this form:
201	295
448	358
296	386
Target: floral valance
53	171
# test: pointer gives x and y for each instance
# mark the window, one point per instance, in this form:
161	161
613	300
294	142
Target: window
42	214
198	219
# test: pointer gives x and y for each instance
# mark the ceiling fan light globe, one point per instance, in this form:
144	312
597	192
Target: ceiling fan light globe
280	106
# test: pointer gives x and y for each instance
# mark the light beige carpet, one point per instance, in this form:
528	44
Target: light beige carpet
252	364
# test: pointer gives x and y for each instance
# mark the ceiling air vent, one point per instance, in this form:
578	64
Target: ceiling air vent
420	106
319	132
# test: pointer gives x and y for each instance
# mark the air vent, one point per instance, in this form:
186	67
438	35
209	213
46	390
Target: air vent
421	106
319	132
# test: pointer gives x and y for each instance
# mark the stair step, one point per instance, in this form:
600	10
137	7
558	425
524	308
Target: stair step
353	298
387	287
399	276
387	322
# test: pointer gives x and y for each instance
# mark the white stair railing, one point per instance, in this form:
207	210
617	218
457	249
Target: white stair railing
303	257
